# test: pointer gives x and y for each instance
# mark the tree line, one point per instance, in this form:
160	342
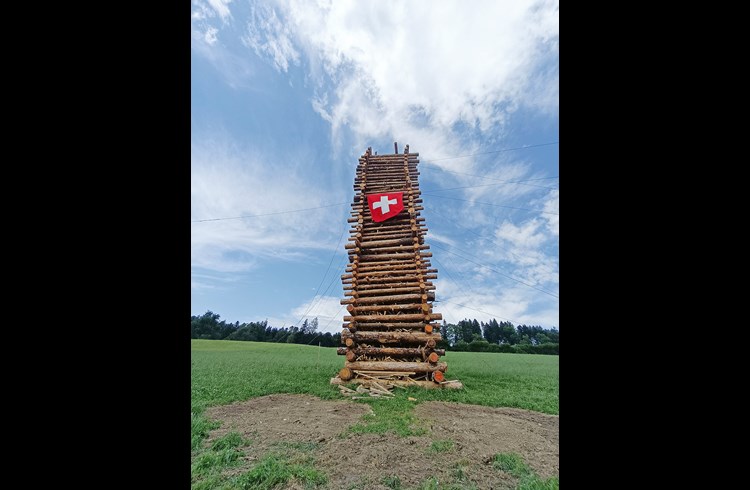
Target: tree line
466	335
208	326
494	336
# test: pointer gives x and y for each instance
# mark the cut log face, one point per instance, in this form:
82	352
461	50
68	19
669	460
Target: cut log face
388	294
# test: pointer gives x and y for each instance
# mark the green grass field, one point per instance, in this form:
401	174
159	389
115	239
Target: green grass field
227	371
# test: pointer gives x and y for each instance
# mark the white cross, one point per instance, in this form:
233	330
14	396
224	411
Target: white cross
384	204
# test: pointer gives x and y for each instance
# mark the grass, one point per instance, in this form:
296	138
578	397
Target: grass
225	371
390	415
275	470
514	465
440	446
288	460
209	463
392	481
433	483
199	429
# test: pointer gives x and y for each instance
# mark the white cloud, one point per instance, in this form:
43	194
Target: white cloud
210	35
414	69
227	182
268	36
221	8
327	309
523	237
516	303
439	238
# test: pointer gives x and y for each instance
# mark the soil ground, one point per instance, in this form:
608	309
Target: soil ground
361	461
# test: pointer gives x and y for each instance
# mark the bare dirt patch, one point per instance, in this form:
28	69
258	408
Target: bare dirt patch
362	461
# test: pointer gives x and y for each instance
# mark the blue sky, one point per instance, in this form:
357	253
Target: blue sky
285	97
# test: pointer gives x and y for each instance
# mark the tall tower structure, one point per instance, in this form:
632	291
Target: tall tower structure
389	329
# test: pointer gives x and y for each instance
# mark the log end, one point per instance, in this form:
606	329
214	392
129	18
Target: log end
349	342
433	357
351	356
437	376
428	328
346	374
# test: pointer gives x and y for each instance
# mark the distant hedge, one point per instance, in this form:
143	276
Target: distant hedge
484	346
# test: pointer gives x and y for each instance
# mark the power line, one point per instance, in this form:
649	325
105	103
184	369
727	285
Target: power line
490	204
495	151
497	180
432	210
270	214
451	275
490	185
480	311
495	271
335	251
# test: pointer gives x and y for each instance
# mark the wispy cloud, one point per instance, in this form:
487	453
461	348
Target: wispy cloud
510	303
221	7
389	76
268	36
228	182
327	309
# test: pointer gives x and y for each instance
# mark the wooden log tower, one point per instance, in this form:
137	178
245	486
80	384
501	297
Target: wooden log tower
389	332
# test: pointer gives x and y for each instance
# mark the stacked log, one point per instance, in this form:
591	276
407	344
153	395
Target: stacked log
389	294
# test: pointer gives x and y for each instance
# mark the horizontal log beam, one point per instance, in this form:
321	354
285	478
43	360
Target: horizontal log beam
363	288
385	318
410	289
395	256
385	299
416	367
390	351
381	250
385	280
369	326
402	307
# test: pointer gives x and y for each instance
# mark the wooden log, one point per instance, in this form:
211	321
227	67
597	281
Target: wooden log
383	299
397	248
386	299
386	243
363	288
438	376
417	367
379	270
433	357
389	351
365	326
388	291
413	282
406	233
406	317
346	374
396	223
375	265
390	279
399	307
385	273
428	328
350	354
392	337
364	258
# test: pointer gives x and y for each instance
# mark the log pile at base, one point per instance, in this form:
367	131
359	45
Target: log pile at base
387	285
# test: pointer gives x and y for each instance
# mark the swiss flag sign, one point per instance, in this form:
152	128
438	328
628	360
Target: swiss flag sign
385	206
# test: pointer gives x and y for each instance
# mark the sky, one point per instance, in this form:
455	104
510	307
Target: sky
286	95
